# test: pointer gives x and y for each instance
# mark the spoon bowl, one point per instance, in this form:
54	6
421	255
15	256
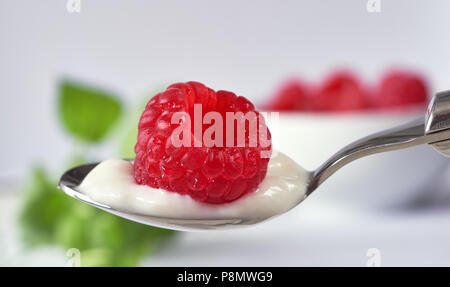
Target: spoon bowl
71	180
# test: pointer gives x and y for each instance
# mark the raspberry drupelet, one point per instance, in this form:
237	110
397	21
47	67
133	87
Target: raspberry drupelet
211	174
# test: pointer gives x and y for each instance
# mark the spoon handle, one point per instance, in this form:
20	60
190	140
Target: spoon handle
414	133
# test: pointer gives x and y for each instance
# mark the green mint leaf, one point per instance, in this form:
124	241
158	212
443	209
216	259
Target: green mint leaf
43	205
126	148
87	113
130	127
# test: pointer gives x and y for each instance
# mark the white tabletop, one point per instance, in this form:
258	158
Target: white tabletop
317	233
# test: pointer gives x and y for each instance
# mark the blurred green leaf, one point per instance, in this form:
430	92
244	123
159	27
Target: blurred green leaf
126	148
97	257
87	113
44	203
73	228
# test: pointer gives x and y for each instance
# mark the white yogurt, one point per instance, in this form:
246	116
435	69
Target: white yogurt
112	183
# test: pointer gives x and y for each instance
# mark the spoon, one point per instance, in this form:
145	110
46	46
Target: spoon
433	129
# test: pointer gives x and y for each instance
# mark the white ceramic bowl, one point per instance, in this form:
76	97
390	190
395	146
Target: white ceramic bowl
376	181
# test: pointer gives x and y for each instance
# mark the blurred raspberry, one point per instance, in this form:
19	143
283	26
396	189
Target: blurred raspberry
293	95
342	91
401	88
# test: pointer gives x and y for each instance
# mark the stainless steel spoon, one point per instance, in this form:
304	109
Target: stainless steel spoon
433	129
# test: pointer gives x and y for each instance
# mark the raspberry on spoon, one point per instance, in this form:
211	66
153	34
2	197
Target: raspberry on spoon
211	174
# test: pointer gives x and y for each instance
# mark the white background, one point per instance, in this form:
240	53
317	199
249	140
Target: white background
245	46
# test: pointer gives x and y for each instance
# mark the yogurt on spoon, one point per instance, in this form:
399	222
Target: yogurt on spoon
112	183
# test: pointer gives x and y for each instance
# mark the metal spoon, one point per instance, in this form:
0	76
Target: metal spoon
433	129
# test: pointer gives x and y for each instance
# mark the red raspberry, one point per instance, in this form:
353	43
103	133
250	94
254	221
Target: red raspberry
398	88
216	174
293	95
341	91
